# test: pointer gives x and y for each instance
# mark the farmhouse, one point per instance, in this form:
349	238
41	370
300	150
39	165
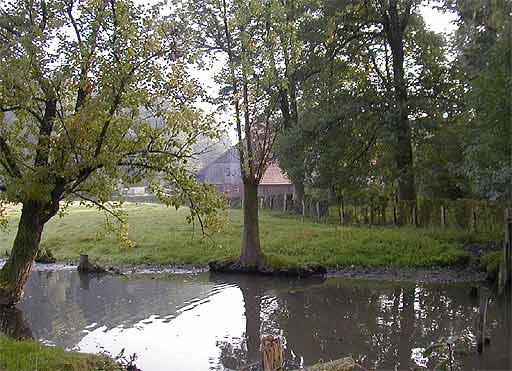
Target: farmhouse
224	174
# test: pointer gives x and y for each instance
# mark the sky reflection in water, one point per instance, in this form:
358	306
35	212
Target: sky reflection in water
213	322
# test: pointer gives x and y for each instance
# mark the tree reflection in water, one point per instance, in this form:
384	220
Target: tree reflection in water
383	325
220	318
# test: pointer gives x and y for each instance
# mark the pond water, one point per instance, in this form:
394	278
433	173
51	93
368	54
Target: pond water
207	321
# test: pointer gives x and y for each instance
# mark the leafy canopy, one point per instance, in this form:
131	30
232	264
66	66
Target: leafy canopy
94	94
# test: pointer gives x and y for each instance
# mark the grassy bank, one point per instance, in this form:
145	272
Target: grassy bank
30	355
162	236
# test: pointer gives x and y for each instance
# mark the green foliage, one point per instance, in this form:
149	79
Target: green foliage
491	262
30	355
484	61
443	350
95	95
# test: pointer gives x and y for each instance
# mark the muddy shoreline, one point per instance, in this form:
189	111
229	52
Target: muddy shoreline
417	275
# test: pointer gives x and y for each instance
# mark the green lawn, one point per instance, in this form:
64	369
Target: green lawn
162	236
30	356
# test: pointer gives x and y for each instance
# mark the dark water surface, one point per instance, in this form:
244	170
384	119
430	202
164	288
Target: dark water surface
205	321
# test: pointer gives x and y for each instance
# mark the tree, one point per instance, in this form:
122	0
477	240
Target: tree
483	48
311	36
240	33
394	16
93	94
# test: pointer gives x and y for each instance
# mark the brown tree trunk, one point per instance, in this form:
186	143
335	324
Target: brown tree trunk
298	197
14	325
251	255
15	273
394	27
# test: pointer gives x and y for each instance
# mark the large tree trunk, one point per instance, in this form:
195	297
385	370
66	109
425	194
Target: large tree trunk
298	197
251	255
394	27
16	271
13	324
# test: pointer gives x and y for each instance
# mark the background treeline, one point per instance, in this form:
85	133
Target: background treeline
380	112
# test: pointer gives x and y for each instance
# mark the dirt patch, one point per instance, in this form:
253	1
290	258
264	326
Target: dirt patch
421	275
234	266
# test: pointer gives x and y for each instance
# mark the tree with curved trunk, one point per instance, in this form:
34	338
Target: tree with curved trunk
93	94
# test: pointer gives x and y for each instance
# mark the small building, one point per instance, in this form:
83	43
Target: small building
224	174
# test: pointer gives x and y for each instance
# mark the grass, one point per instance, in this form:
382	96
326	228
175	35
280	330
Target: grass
491	261
163	236
32	356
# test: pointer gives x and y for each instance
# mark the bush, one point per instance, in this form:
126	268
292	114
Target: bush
491	263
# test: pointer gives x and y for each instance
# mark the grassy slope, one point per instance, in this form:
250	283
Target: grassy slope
30	355
163	236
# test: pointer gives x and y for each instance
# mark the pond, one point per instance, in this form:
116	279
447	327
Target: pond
206	321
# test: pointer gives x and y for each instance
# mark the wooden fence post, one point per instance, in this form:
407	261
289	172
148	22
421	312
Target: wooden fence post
261	202
318	210
473	220
342	212
284	201
414	218
242	203
443	221
395	221
303	208
505	279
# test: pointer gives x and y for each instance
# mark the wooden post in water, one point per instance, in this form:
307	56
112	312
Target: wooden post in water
505	277
272	353
481	321
509	247
442	216
84	262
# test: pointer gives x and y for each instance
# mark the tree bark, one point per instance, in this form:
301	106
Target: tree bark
14	325
394	28
298	197
251	255
15	273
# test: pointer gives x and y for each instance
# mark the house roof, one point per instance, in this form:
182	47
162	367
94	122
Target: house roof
274	175
216	172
